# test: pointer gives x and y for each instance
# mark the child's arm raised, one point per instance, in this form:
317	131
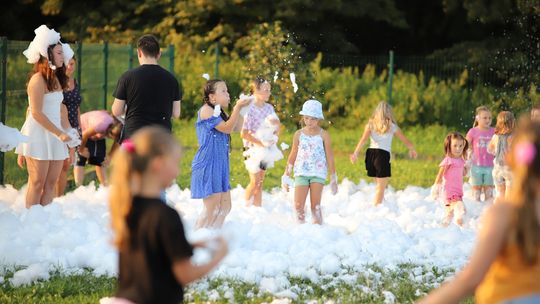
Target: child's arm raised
407	142
225	126
354	156
330	161
185	272
490	240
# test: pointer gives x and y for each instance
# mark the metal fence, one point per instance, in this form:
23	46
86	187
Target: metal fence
98	68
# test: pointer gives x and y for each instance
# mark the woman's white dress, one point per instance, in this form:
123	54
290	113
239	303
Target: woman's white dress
42	144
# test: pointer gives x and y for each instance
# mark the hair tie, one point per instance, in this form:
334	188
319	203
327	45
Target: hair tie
525	153
128	146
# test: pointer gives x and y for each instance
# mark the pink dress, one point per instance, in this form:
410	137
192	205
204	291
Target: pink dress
453	178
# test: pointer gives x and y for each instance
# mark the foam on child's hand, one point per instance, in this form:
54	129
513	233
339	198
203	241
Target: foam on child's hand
245	109
75	139
217	111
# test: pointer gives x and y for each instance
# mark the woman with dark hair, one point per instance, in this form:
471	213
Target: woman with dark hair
46	122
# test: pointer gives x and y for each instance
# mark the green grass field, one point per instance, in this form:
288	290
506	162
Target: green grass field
368	287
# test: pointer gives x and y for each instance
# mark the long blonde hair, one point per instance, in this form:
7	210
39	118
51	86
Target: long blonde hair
524	160
477	113
131	160
382	118
505	123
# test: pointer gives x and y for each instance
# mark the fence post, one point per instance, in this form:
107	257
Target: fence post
3	97
171	58
130	54
79	64
105	74
216	68
390	76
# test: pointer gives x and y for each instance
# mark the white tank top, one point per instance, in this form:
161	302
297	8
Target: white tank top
311	157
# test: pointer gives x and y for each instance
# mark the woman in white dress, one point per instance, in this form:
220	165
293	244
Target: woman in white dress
47	119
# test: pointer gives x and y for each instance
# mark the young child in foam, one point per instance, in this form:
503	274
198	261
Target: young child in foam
154	255
482	162
380	131
253	120
210	171
312	159
499	146
450	178
505	264
268	153
46	125
10	138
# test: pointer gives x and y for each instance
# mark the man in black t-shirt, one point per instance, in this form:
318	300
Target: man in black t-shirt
148	94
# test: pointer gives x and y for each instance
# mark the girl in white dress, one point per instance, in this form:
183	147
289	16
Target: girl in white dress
46	149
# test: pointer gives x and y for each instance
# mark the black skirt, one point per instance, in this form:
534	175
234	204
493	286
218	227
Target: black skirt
378	163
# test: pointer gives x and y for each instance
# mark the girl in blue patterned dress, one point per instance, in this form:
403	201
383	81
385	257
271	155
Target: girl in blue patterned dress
210	166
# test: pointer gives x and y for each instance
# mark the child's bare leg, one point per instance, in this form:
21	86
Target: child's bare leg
300	195
62	179
101	173
257	190
382	182
476	192
459	211
78	174
209	212
315	194
501	190
488	194
248	195
224	209
449	209
37	172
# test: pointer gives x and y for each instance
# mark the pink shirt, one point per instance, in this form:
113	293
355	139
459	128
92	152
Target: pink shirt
97	120
255	117
479	143
453	178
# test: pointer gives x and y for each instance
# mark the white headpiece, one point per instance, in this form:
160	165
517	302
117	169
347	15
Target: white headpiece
44	38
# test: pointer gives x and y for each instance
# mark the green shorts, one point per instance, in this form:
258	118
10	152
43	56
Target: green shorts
307	180
481	176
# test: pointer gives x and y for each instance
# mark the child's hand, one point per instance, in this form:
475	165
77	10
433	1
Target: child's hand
412	153
21	161
435	191
242	103
286	183
333	184
353	157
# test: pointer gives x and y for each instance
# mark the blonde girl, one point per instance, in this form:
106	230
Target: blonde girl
312	159
505	265
380	130
154	255
450	177
499	146
482	162
259	110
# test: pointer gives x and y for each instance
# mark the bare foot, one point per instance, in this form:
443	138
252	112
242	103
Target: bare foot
459	222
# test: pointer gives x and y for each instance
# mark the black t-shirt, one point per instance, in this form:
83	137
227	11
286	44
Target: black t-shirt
157	240
149	91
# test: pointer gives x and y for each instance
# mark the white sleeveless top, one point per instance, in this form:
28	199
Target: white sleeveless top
382	141
311	157
42	144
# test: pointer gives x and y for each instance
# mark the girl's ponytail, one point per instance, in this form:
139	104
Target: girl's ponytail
121	196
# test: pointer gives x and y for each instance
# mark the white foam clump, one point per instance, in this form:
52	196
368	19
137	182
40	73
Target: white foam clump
206	76
245	109
75	139
292	76
284	146
267	154
74	233
10	138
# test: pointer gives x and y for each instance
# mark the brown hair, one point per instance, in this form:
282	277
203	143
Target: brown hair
49	75
256	84
477	112
149	143
524	193
149	45
448	143
505	123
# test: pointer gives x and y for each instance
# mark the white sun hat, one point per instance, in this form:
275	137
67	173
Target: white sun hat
312	108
